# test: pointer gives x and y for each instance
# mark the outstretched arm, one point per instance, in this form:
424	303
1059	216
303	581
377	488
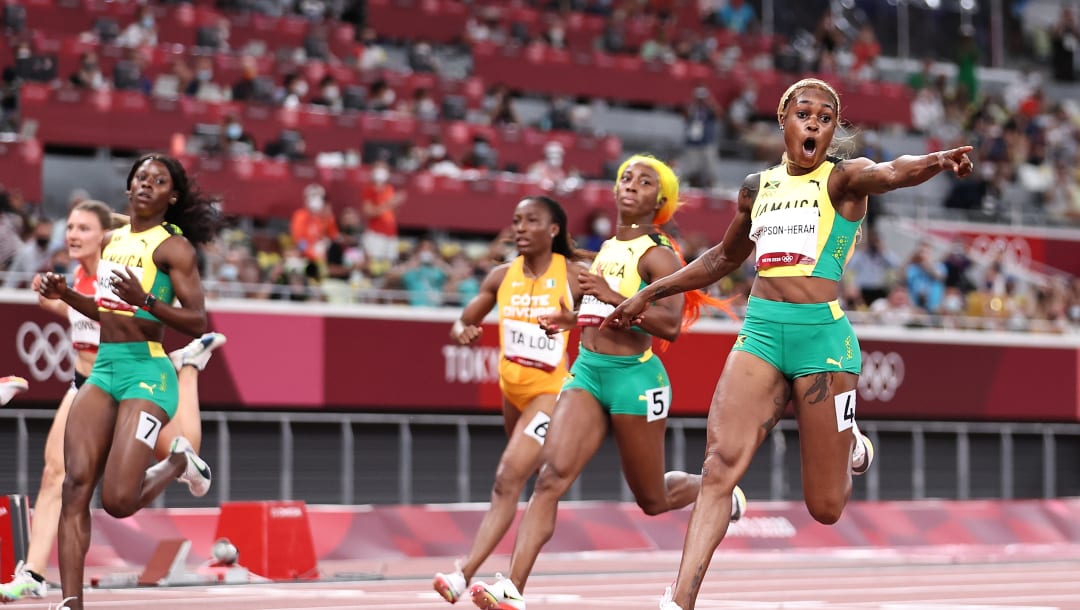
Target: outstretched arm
716	263
862	177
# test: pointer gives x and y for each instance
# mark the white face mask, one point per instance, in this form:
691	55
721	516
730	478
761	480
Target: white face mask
438	151
380	175
300	89
602	226
331	93
316	204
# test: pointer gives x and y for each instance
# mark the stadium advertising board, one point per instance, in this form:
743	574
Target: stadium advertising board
295	356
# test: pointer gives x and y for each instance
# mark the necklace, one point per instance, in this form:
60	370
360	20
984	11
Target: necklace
634	226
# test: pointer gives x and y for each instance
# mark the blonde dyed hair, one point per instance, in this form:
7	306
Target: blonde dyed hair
669	185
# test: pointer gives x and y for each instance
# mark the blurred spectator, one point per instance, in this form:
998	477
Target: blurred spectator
244	89
560	115
896	309
293	91
657	47
329	94
370	54
129	73
345	261
550	172
613	37
925	279
214	38
873	268
481	156
1063	197
967	62
599	230
925	76
141	32
422	59
462	283
423	275
12	224
379	203
701	139
313	226
170	85
203	87
89	75
32	256
927	110
735	15
438	162
501	107
865	52
380	96
957	267
9	100
290	145
484	26
1064	39
422	106
232	138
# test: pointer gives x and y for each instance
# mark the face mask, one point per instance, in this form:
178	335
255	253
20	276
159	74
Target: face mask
380	175
1074	312
61	269
316	204
234	131
89	66
229	273
554	160
147	22
389	97
331	93
602	226
204	75
438	151
300	89
953	303
42	242
427	257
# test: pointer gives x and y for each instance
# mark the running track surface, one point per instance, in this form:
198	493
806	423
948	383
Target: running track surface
927	579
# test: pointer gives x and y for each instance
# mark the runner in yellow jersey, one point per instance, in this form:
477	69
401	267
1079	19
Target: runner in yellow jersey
796	345
131	394
532	364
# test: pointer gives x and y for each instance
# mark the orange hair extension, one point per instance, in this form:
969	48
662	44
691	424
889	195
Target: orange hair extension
694	300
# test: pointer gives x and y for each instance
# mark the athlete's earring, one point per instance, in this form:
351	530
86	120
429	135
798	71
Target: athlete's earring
172	201
781	128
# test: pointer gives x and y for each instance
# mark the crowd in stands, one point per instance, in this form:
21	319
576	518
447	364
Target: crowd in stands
347	252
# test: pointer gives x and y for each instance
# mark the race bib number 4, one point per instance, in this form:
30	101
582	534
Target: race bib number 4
104	294
845	410
528	345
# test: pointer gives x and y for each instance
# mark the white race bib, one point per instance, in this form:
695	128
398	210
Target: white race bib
528	345
593	311
786	238
104	295
85	333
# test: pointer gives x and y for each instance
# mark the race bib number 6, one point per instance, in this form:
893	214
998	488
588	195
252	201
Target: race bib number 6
538	427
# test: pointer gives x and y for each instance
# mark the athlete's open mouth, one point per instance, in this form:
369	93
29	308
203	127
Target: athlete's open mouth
809	146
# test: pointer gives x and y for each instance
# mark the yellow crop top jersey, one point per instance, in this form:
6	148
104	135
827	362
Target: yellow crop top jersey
521	301
618	261
797	231
134	251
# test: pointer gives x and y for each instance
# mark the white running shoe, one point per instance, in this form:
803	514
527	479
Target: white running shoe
738	504
502	595
63	603
22	585
197	353
10	386
666	603
863	453
451	586
197	473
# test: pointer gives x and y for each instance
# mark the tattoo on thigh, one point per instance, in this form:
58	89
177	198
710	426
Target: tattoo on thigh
778	413
819	389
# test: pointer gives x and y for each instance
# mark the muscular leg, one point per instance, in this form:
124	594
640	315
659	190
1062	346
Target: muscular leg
128	484
577	429
825	449
749	399
93	414
47	505
188	421
519	461
641	449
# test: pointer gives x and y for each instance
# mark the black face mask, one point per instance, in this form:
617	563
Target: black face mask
42	242
61	269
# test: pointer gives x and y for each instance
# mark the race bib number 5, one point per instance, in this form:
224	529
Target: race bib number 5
658	403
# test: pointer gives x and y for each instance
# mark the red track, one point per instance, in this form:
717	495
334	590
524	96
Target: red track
928	578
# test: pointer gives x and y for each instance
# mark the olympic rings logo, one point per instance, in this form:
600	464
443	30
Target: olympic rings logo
882	375
1016	250
46	351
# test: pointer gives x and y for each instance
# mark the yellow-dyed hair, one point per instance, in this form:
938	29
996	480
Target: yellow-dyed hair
806	83
669	185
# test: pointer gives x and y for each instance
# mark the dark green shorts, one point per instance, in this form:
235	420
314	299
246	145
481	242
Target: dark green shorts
139	370
800	339
630	385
